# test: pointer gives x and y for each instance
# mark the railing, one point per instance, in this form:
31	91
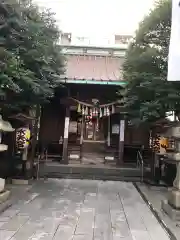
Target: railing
140	164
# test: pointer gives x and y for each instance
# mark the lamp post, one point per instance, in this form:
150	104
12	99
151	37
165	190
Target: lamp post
172	205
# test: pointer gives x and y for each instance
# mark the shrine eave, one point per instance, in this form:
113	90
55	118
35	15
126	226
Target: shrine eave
96	82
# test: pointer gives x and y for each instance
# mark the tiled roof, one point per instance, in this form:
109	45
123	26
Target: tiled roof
94	68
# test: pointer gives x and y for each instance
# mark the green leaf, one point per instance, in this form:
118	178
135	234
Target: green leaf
148	95
31	60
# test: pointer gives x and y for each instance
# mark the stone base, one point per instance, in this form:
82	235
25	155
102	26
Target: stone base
21	181
4	196
173	213
2	184
174	198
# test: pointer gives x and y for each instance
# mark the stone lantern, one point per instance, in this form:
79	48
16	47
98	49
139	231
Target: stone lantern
172	205
4	127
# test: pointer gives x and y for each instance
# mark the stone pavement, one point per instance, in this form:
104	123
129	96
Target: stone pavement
80	210
155	195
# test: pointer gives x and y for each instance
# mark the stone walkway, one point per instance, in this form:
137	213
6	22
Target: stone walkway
80	210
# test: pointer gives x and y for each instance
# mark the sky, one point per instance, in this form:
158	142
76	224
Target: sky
100	18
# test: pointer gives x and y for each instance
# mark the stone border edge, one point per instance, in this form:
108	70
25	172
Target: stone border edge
155	213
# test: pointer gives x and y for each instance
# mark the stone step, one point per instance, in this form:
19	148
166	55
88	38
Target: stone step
92	177
52	170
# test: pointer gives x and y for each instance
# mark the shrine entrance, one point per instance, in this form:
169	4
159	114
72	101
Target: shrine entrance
88	128
93	124
93	143
92	130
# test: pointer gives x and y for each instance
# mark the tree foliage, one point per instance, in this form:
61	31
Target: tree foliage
148	95
30	57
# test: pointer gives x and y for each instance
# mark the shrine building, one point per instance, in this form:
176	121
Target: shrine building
84	123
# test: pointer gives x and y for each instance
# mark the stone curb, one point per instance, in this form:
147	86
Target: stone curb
156	214
9	202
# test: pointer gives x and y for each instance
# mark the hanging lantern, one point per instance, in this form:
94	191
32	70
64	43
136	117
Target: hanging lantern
22	138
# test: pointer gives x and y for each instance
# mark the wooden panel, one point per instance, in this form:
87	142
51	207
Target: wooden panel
136	136
52	124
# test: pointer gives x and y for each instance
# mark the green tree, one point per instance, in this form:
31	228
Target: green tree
30	57
148	95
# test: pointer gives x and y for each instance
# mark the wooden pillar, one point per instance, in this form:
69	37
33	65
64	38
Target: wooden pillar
82	130
109	131
65	159
83	124
26	166
35	137
120	159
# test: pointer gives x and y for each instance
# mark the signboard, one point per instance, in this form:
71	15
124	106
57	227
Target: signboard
22	138
66	127
115	129
73	127
122	128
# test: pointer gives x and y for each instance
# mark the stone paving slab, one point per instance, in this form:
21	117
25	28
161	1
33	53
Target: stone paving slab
80	210
155	195
6	235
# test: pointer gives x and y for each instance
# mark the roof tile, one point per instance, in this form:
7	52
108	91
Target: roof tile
94	67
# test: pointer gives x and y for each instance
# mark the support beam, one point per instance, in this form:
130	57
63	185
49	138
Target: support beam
66	135
121	142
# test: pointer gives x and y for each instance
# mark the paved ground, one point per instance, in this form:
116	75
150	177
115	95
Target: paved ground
80	210
155	195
